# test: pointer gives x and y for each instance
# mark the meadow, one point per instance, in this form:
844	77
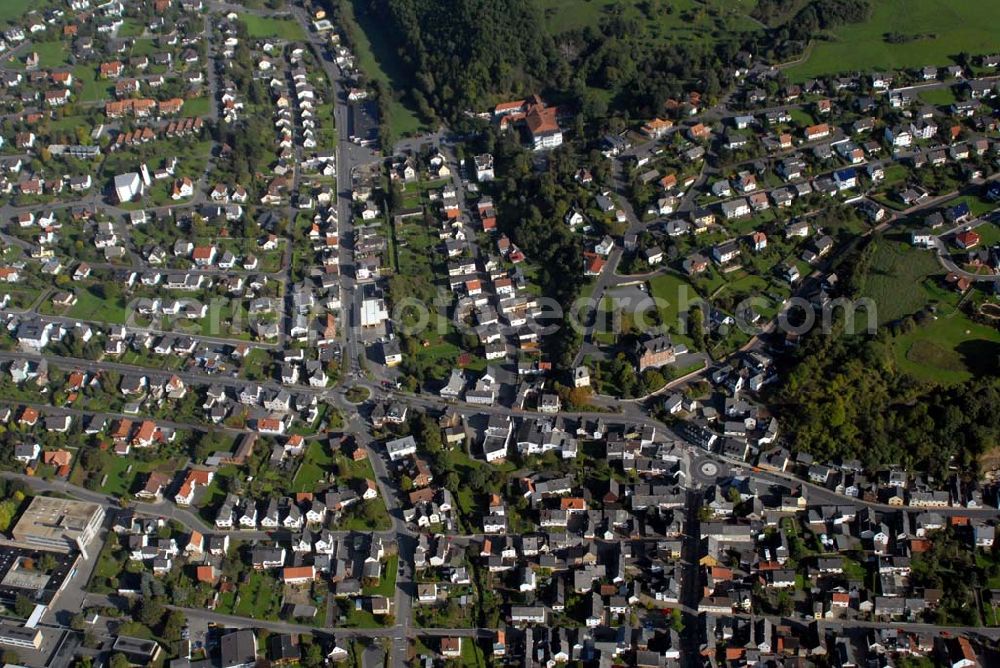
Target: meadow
898	277
945	348
937	30
950	349
378	60
260	27
11	10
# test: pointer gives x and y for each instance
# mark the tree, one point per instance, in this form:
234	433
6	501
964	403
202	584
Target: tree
313	655
428	433
23	606
478	479
7	511
696	327
173	625
118	660
47	563
151	612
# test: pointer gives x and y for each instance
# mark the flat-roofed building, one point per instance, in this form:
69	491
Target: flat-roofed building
20	636
138	650
59	524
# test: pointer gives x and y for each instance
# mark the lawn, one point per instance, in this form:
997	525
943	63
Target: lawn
11	10
802	117
199	106
989	234
940	30
259	598
896	279
131	28
120	478
260	27
459	461
387	583
948	350
377	58
227	318
674	296
941	97
51	54
472	655
316	463
895	174
91	90
979	206
214	493
90	306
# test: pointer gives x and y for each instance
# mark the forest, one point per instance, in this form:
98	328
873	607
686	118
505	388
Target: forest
465	55
462	52
814	16
843	398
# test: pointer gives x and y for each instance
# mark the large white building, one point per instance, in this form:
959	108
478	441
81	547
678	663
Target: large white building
373	312
128	186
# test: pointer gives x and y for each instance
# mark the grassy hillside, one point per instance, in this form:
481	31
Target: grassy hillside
11	10
946	346
379	61
940	30
899	279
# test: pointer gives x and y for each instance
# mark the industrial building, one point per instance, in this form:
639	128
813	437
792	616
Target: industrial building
62	525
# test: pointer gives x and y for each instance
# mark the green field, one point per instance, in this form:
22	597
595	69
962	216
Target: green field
89	306
939	96
378	60
316	463
948	350
11	10
897	279
941	30
673	293
260	27
945	348
387	583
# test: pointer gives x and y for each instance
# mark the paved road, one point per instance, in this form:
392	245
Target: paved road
940	245
350	157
